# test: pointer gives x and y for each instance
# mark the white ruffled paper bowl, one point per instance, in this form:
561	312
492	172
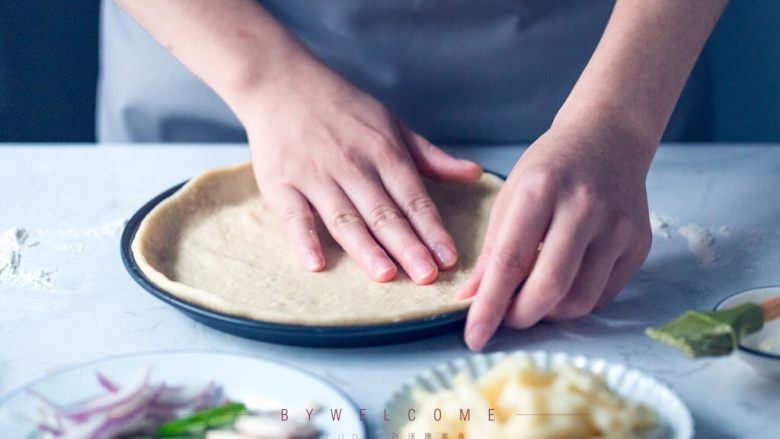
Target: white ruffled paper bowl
674	418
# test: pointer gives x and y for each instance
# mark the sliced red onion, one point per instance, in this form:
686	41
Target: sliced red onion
46	428
104	403
107	383
137	408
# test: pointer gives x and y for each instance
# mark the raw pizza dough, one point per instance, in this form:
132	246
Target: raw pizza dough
213	243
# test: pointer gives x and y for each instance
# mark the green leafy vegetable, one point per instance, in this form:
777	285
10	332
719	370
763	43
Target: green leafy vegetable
195	425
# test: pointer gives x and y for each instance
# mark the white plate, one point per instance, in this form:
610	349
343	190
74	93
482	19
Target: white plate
751	348
240	377
675	418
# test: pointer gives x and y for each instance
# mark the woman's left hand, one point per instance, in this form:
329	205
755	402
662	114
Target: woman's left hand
579	189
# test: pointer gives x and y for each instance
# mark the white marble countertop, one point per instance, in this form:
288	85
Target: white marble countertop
72	201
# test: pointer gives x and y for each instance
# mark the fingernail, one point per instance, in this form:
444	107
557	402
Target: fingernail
464	293
422	268
313	260
381	265
444	254
469	163
477	336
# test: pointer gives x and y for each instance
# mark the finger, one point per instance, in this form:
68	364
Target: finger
510	261
617	280
625	268
622	272
407	190
589	284
470	287
554	272
298	221
436	164
390	228
346	226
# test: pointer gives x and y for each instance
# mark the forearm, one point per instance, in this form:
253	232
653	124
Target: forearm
232	45
640	67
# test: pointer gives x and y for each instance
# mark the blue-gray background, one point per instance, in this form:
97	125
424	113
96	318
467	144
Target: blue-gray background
49	65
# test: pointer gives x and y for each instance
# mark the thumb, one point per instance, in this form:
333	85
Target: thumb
436	164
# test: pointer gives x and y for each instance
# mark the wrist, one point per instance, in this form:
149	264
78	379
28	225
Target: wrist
622	130
253	79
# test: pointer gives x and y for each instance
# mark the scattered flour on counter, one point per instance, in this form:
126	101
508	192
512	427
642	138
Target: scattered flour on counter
756	241
108	229
771	345
13	243
16	243
659	224
724	231
700	242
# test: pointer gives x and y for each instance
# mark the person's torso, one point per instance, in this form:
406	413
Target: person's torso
457	71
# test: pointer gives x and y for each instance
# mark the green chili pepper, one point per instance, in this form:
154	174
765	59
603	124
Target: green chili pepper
200	421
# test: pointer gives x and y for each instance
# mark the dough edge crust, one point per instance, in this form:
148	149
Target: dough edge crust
214	302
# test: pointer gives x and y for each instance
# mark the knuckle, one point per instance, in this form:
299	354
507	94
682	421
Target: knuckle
382	216
509	258
588	196
278	170
344	218
354	160
287	171
622	226
539	185
419	203
383	145
626	229
294	216
389	154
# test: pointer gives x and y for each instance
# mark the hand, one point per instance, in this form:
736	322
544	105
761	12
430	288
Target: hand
319	142
580	191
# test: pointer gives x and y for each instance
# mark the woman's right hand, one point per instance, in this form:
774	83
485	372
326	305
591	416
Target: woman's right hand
320	144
